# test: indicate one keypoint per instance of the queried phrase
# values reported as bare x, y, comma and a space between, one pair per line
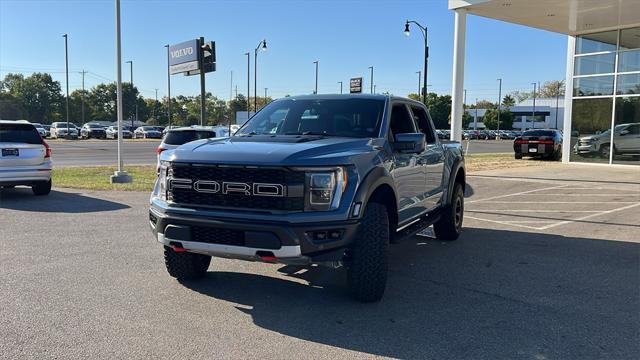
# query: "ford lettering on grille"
228, 187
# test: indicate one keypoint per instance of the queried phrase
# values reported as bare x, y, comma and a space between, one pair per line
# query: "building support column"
457, 84
568, 100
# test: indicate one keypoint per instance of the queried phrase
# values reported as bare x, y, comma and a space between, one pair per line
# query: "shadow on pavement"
491, 294
22, 199
558, 179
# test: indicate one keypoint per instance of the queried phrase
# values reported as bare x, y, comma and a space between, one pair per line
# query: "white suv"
25, 158
60, 130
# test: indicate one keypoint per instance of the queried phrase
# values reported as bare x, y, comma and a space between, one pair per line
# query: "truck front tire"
449, 226
185, 265
368, 256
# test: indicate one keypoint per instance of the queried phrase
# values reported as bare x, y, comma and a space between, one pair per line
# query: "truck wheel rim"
458, 213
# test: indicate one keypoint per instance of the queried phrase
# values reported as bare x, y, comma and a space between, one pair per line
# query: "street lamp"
419, 81
261, 46
168, 87
66, 70
316, 90
534, 106
340, 82
499, 103
407, 32
371, 68
248, 87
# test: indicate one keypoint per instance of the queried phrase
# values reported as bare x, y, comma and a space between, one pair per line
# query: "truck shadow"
491, 294
22, 199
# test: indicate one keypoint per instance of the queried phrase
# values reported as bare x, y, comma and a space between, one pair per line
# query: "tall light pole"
248, 87
534, 106
168, 87
316, 88
83, 72
371, 68
499, 102
557, 96
155, 106
419, 82
130, 62
231, 87
340, 82
265, 96
262, 45
66, 70
426, 52
120, 176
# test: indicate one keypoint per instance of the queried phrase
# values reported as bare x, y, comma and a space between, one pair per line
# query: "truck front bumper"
282, 242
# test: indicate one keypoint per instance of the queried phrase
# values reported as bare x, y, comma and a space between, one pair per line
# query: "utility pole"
419, 82
130, 62
340, 82
534, 106
168, 87
66, 70
316, 89
83, 72
371, 68
499, 102
155, 106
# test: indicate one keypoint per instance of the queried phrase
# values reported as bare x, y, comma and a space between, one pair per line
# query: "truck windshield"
329, 117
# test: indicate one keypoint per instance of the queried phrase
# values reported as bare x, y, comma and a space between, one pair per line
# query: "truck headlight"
162, 180
325, 188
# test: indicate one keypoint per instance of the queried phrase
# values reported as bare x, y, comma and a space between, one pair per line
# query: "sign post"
355, 85
194, 57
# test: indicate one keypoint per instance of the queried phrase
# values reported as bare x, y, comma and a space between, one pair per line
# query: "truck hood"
278, 150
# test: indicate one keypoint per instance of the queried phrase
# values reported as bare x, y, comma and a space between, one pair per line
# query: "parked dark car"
93, 131
539, 143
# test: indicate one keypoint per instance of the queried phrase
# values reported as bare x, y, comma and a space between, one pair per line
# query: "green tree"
551, 89
39, 95
490, 119
10, 107
439, 108
466, 120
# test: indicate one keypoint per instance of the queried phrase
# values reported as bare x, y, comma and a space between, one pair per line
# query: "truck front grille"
212, 235
291, 201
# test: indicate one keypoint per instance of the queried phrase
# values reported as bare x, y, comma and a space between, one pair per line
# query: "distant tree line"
39, 98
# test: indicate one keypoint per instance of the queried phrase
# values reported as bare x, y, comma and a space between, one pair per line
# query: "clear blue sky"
346, 36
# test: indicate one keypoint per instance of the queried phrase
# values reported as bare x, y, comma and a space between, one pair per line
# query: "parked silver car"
60, 130
25, 158
147, 132
112, 133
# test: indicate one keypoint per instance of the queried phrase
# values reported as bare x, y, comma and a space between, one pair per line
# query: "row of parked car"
64, 130
482, 134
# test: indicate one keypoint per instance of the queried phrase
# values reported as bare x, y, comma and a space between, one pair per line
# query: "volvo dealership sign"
183, 57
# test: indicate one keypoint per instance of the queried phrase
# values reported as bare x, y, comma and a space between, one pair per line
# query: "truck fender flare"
455, 168
374, 179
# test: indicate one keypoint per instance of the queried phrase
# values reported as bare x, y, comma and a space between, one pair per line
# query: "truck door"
407, 171
432, 159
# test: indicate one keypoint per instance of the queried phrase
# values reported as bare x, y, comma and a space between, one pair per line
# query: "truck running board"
416, 227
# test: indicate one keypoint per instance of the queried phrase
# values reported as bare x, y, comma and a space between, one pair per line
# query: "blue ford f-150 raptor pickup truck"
319, 179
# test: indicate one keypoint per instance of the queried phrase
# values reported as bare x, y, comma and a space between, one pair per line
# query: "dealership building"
601, 109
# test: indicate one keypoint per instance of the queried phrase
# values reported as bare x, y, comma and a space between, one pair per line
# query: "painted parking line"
546, 203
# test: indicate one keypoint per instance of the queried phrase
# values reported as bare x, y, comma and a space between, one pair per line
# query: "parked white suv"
25, 158
59, 130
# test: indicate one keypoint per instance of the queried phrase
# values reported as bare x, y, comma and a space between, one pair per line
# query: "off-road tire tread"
445, 228
368, 266
185, 265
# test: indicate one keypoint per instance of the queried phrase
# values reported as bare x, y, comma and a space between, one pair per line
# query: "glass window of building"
626, 133
590, 130
605, 124
599, 42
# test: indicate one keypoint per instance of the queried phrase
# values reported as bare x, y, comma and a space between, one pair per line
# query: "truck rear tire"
368, 256
449, 226
41, 188
185, 265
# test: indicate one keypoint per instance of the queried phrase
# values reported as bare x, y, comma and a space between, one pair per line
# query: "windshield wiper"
323, 133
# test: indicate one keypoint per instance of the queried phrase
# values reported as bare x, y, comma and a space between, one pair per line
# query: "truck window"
401, 121
424, 123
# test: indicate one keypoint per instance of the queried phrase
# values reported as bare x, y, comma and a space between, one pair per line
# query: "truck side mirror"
410, 143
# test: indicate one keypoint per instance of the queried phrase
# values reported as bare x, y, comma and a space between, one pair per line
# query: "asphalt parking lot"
547, 267
143, 152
